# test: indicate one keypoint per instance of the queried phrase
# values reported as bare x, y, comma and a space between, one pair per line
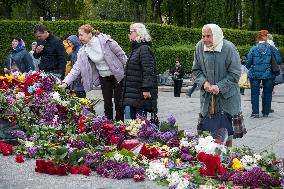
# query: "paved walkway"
263, 134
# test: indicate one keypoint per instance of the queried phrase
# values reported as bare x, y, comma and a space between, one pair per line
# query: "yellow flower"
22, 77
178, 161
10, 78
237, 165
165, 161
85, 101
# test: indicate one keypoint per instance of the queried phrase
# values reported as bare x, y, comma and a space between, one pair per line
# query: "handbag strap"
213, 104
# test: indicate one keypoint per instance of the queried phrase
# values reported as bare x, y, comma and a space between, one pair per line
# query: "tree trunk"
253, 16
5, 11
156, 7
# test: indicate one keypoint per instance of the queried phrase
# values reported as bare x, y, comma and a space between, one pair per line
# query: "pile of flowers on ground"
66, 137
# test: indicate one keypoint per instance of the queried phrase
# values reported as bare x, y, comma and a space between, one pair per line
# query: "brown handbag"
239, 126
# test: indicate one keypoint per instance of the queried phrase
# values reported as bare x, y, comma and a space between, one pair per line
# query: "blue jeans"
134, 111
266, 98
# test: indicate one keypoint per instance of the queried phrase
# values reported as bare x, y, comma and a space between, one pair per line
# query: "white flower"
118, 157
248, 162
209, 146
184, 142
29, 144
182, 184
65, 103
20, 95
134, 126
174, 149
56, 96
156, 170
173, 178
257, 157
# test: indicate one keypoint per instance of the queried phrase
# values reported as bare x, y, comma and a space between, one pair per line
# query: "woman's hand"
146, 95
6, 70
63, 85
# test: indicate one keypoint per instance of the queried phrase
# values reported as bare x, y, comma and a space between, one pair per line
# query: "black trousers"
112, 89
177, 87
81, 94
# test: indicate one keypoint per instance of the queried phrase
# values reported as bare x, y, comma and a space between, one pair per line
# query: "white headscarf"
217, 38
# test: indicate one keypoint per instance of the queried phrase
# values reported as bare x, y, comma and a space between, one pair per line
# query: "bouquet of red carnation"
212, 163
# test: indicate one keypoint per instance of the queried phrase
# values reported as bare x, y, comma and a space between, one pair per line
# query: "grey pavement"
263, 134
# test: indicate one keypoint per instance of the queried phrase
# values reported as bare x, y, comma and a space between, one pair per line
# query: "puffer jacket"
22, 58
259, 61
140, 77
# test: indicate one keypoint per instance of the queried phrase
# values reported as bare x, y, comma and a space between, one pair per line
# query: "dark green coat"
220, 68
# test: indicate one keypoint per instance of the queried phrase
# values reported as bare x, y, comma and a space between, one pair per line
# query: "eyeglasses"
130, 31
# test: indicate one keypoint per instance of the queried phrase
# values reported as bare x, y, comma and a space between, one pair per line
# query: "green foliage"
210, 11
167, 55
169, 42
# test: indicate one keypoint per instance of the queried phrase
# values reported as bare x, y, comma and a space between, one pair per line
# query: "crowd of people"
97, 59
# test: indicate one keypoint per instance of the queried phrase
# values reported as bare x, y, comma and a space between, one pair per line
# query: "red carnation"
14, 123
200, 156
19, 159
138, 177
108, 126
154, 152
49, 164
51, 170
113, 139
221, 170
6, 148
27, 100
86, 171
73, 170
144, 151
61, 170
41, 166
39, 91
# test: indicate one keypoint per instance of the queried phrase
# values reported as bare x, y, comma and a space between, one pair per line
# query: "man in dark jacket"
51, 51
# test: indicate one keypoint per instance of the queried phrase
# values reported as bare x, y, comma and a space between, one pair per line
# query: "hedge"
165, 37
167, 55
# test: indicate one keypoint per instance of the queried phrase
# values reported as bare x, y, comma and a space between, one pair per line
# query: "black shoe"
242, 93
271, 111
254, 115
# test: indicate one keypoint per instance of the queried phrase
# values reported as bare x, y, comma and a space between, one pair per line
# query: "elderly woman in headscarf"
216, 68
18, 60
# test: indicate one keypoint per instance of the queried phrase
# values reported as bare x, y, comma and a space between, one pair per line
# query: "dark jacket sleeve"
181, 73
148, 67
37, 55
61, 57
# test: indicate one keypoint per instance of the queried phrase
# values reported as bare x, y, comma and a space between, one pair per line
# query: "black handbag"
274, 66
215, 121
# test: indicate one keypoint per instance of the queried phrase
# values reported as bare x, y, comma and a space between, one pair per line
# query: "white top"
94, 51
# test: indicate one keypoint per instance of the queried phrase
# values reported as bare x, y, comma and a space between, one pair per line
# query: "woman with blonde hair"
100, 61
260, 70
140, 86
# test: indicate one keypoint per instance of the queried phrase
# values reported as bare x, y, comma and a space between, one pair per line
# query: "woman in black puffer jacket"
140, 90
